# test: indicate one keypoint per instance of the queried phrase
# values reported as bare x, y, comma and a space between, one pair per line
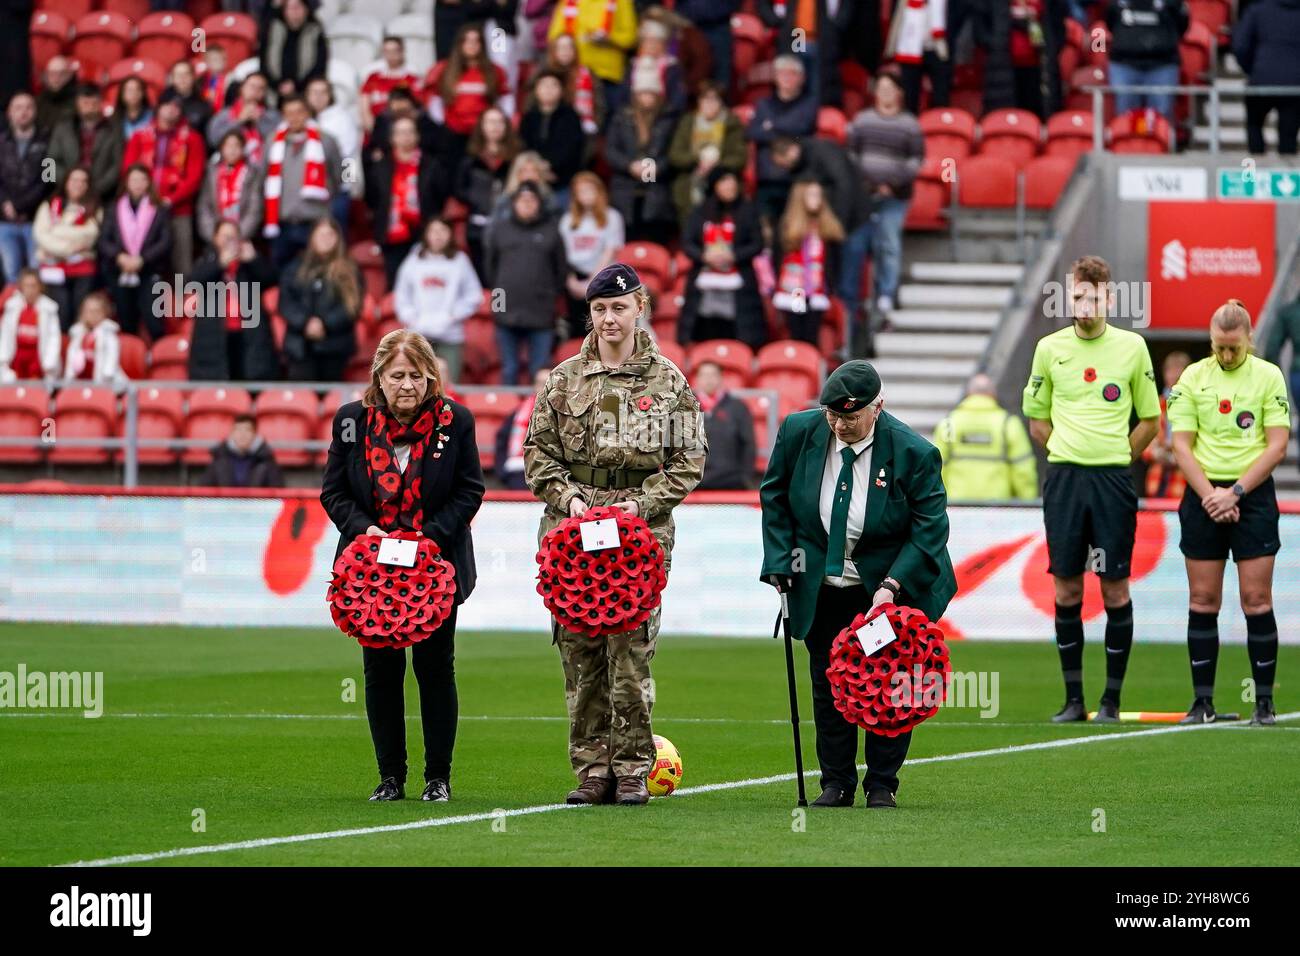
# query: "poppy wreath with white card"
602, 579
385, 604
895, 686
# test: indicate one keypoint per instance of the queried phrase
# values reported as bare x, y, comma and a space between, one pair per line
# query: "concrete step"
1236, 82
931, 345
1232, 112
928, 369
1232, 137
916, 393
965, 272
932, 296
943, 320
923, 420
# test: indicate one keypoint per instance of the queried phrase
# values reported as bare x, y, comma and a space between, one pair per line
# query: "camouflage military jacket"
641, 416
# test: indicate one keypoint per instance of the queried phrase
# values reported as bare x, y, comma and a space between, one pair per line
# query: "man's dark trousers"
837, 739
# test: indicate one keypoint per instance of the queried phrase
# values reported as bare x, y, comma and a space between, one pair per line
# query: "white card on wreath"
398, 551
598, 535
876, 633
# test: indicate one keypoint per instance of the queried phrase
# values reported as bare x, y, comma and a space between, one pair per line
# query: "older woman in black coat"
406, 425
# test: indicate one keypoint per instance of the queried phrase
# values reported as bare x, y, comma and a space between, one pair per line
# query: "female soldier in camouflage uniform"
617, 424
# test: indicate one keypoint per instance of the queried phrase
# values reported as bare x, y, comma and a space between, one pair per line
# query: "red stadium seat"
793, 369
758, 406
855, 86
1215, 14
165, 36
211, 413
1096, 45
949, 133
133, 356
674, 353
1069, 133
1196, 53
931, 193
329, 406
490, 409
150, 71
832, 125
72, 9
566, 350
160, 414
744, 112
735, 358
481, 361
1139, 131
23, 414
1045, 179
1011, 134
986, 182
288, 414
750, 44
83, 411
169, 359
50, 32
1081, 99
652, 262
370, 260
236, 32
102, 38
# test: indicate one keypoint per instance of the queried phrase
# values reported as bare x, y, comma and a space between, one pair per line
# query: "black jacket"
730, 431
829, 163
479, 187
452, 484
526, 261
298, 55
300, 300
156, 251
21, 182
559, 138
622, 148
829, 29
379, 190
1266, 40
751, 326
434, 138
209, 360
1146, 32
263, 472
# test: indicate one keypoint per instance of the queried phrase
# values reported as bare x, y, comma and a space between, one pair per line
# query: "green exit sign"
1275, 185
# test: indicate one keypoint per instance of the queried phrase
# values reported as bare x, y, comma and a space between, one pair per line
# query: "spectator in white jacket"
30, 337
66, 231
437, 290
94, 352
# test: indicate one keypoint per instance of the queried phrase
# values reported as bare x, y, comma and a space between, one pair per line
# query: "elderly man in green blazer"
854, 515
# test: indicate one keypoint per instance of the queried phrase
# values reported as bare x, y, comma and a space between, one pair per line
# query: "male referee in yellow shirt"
1231, 421
1085, 383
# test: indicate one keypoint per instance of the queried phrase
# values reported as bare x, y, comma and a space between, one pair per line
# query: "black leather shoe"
389, 789
834, 797
1107, 713
1264, 715
1201, 712
1073, 710
880, 798
437, 791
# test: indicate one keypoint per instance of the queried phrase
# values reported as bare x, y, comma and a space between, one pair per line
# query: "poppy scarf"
398, 497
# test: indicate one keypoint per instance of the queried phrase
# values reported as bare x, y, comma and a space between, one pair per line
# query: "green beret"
851, 386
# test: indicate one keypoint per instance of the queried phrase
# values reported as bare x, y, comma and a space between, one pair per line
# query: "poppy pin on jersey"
1090, 375
1225, 406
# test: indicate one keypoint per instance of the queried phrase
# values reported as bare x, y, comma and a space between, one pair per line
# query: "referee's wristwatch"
1239, 490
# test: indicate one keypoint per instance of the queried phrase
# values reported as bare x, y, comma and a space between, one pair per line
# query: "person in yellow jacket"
986, 451
605, 31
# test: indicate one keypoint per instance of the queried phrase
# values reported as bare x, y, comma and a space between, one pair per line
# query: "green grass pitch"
188, 726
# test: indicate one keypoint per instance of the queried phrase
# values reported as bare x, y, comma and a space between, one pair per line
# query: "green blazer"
905, 532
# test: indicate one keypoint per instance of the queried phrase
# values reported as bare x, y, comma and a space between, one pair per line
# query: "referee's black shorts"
1090, 514
1255, 535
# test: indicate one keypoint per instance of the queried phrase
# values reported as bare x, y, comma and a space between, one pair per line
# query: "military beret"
615, 279
851, 386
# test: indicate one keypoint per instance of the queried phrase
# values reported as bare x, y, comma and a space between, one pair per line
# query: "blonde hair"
418, 352
797, 223
516, 169
1231, 316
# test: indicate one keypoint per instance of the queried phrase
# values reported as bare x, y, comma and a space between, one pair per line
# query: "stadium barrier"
225, 558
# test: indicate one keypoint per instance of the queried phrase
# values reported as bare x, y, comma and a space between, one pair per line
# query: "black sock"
1119, 641
1203, 651
1069, 644
1261, 642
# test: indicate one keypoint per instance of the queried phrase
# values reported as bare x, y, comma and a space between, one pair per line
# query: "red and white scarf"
230, 189
571, 17
313, 172
252, 134
404, 208
78, 263
584, 97
719, 235
802, 284
518, 432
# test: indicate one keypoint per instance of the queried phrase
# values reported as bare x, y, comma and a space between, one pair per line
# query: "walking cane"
783, 622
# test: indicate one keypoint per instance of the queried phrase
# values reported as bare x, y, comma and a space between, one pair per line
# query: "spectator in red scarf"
250, 115
94, 350
232, 191
176, 157
134, 246
406, 187
729, 428
232, 339
1027, 43
811, 235
66, 231
302, 176
30, 337
215, 83
652, 60
482, 175
461, 87
89, 139
581, 90
509, 457
380, 82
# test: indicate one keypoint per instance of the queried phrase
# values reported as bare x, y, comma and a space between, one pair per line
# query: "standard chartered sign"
1274, 185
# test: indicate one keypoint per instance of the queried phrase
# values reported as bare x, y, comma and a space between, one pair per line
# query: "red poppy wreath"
891, 690
602, 592
386, 605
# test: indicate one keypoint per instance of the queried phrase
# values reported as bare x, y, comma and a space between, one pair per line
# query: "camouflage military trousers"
610, 693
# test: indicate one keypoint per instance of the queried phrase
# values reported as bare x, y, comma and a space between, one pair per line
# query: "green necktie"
840, 514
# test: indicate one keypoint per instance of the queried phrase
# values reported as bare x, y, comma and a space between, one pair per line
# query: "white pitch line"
684, 792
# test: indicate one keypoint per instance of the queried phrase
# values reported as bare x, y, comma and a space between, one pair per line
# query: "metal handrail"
1214, 93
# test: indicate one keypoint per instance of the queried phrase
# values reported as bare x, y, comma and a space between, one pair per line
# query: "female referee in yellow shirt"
1230, 421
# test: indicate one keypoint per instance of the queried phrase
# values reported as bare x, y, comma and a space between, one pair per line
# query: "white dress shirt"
403, 455
857, 502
